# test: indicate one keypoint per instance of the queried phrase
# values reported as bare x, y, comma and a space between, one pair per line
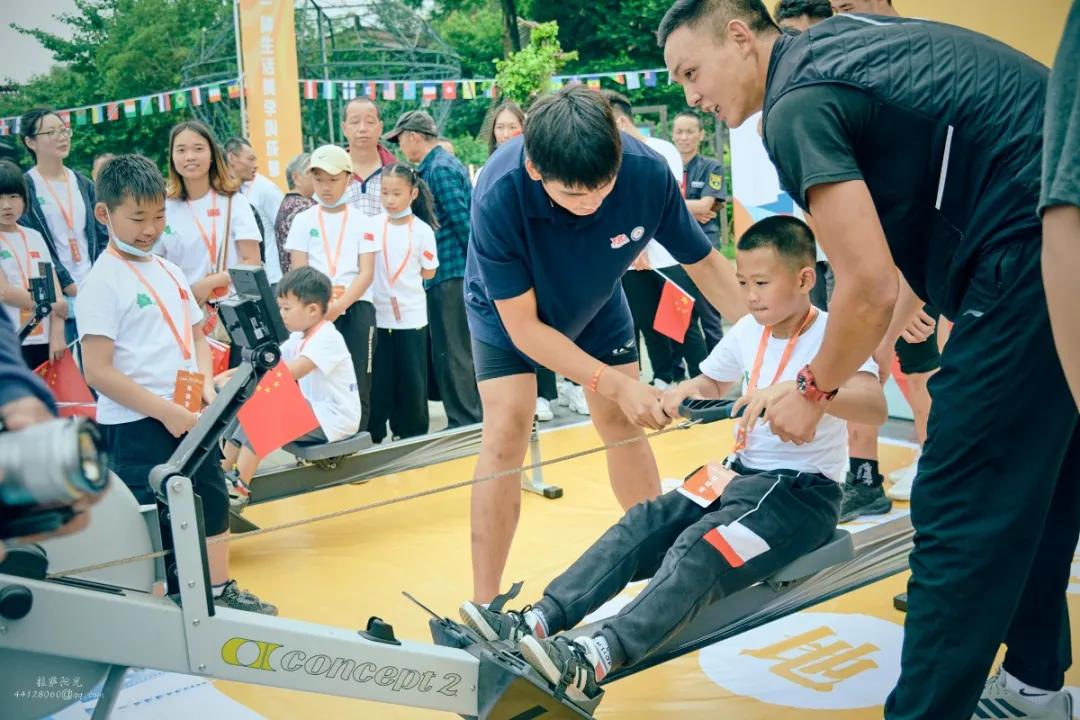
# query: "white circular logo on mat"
637, 233
817, 661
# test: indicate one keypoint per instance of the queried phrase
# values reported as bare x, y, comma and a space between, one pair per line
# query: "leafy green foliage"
526, 74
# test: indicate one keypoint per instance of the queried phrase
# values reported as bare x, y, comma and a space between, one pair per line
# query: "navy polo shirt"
521, 240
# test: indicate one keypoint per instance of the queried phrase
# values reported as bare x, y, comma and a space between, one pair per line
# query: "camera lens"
52, 463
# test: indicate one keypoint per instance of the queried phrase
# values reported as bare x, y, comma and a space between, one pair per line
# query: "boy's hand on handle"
757, 402
177, 420
672, 398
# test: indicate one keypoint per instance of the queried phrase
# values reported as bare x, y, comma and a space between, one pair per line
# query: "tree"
527, 73
119, 49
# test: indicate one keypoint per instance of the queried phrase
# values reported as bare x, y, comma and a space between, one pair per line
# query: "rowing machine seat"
838, 549
325, 451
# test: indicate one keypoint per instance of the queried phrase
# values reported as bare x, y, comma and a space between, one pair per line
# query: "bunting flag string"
426, 90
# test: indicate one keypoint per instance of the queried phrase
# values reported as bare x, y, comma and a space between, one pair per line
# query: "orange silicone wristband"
595, 380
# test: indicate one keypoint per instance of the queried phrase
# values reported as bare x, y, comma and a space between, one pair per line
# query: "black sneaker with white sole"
573, 667
235, 598
492, 623
862, 499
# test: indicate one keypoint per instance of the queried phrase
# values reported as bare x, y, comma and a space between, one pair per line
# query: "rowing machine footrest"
510, 688
838, 549
448, 633
324, 451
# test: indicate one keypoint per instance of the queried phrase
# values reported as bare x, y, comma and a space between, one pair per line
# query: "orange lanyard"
69, 212
740, 438
209, 239
310, 335
26, 249
332, 262
185, 342
392, 277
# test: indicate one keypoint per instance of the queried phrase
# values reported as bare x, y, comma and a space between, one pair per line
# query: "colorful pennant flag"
389, 90
180, 100
673, 312
96, 114
430, 93
309, 90
130, 109
593, 83
277, 413
65, 117
213, 94
348, 90
650, 78
328, 90
449, 90
234, 91
146, 105
633, 82
371, 90
4, 127
556, 84
409, 90
112, 111
620, 78
164, 102
80, 117
468, 89
196, 97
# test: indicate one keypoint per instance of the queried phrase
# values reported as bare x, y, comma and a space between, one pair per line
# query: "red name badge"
706, 484
213, 212
76, 254
189, 390
396, 308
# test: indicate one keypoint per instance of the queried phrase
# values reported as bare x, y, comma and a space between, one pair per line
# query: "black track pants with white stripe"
694, 555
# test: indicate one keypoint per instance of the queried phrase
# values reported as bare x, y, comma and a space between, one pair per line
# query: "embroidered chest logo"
5, 255
168, 230
143, 300
637, 233
314, 232
816, 659
619, 241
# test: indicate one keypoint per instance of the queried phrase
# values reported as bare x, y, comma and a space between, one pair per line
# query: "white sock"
536, 620
1030, 693
601, 645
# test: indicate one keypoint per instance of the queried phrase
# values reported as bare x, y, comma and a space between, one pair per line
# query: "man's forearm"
907, 308
859, 315
1061, 267
715, 277
553, 350
700, 205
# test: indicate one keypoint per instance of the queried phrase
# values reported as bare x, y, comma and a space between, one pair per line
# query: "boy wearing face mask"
333, 238
145, 354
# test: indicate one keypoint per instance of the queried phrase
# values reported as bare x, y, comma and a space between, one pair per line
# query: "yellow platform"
837, 660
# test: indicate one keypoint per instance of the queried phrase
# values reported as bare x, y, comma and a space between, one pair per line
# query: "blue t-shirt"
521, 240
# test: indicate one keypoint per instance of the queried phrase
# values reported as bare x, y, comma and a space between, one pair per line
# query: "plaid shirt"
450, 184
366, 194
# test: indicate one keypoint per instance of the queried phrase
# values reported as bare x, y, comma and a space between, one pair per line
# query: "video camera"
43, 291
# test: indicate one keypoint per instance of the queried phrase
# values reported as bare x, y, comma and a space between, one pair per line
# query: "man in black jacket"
918, 145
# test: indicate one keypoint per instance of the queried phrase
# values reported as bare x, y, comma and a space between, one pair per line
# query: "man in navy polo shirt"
558, 216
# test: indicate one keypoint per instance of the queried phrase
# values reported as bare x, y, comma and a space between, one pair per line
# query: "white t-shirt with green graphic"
13, 257
113, 303
305, 235
182, 244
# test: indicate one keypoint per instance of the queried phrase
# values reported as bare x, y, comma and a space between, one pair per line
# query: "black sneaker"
574, 667
492, 623
862, 499
236, 599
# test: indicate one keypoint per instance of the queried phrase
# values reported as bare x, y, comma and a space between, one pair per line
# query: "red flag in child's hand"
219, 353
277, 413
66, 382
674, 312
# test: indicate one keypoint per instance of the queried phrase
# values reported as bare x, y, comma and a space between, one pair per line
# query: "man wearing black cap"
415, 131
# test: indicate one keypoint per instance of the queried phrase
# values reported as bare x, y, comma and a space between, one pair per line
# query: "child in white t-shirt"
145, 354
317, 357
210, 226
21, 250
407, 257
333, 238
729, 526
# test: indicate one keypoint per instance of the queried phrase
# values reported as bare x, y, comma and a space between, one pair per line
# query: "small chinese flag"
277, 413
68, 387
674, 312
449, 90
219, 354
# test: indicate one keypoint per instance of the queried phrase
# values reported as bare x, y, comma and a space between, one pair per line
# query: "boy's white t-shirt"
733, 359
115, 304
658, 255
407, 251
265, 198
18, 259
331, 387
182, 244
58, 226
305, 235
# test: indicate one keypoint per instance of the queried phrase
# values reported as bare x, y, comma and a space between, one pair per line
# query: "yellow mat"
836, 660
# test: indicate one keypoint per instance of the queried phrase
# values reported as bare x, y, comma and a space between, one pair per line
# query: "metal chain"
380, 503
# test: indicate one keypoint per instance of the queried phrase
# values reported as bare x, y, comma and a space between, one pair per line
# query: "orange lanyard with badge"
392, 277
24, 315
310, 335
741, 436
189, 385
68, 214
332, 260
210, 239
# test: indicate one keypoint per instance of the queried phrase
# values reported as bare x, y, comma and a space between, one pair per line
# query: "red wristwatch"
808, 388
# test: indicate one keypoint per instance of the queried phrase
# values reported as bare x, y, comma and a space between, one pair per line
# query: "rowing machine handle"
707, 411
